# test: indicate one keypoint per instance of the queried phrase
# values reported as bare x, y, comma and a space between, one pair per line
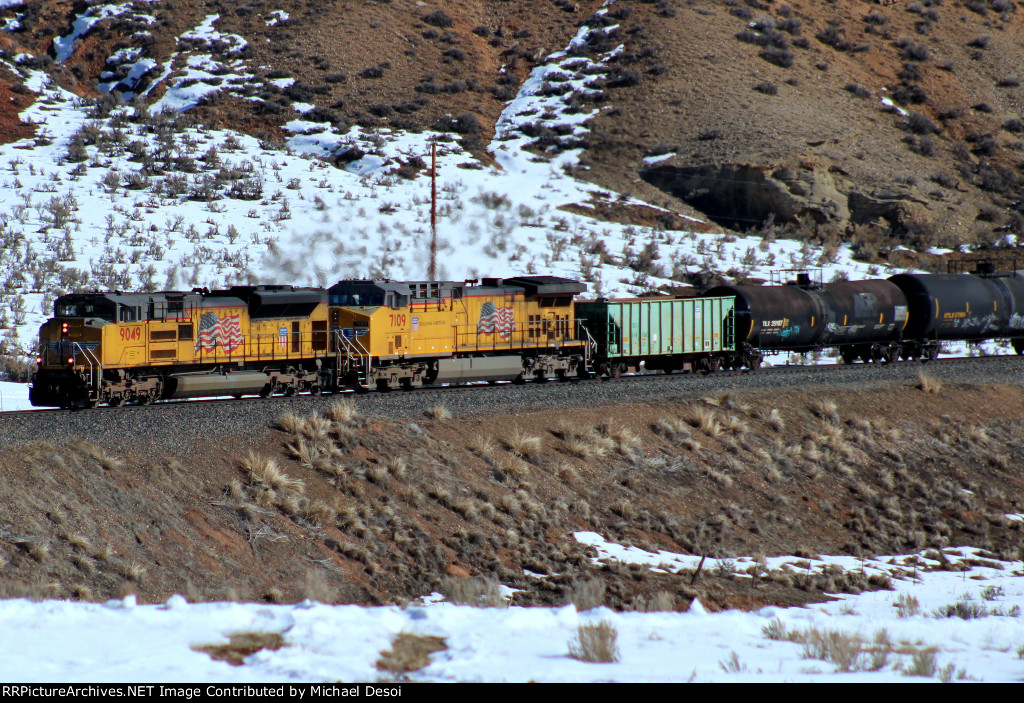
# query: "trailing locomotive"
390, 334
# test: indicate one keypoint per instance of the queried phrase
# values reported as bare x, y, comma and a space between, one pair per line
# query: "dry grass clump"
825, 410
595, 642
291, 423
847, 652
727, 400
660, 602
478, 592
438, 412
773, 418
524, 445
734, 424
922, 664
409, 653
37, 550
705, 419
512, 464
672, 428
264, 471
928, 384
104, 459
396, 466
624, 440
316, 588
343, 410
241, 645
587, 595
720, 477
79, 542
907, 605
377, 474
591, 445
567, 473
307, 453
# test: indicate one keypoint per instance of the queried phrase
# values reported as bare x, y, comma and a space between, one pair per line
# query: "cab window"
129, 313
85, 308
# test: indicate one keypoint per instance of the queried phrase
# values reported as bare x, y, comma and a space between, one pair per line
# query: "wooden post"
432, 267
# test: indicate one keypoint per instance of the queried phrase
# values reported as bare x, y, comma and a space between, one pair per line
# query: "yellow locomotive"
391, 334
139, 347
119, 348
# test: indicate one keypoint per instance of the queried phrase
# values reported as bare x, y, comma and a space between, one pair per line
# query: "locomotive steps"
307, 498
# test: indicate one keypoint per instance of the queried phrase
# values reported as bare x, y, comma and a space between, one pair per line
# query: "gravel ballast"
177, 426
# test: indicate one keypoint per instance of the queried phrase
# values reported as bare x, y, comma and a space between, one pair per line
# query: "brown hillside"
367, 510
773, 110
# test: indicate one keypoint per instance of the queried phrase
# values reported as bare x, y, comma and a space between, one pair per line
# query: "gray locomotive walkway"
182, 426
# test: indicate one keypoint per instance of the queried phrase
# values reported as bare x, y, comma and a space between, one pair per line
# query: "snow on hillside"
119, 199
14, 396
947, 625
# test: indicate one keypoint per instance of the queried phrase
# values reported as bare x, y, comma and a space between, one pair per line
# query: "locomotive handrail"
95, 373
351, 347
591, 345
558, 331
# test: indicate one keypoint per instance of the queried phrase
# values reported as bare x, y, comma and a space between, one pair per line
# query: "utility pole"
432, 267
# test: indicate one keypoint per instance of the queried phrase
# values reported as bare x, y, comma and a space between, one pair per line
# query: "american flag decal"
214, 331
493, 319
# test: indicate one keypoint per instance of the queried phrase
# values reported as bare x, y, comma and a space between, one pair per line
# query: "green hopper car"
661, 334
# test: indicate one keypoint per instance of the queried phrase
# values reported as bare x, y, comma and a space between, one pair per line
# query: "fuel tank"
204, 385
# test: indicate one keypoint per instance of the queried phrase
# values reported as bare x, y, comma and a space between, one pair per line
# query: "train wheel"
519, 380
849, 355
616, 370
714, 364
115, 401
1018, 346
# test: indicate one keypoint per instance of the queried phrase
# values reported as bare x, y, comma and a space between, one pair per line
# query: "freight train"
117, 348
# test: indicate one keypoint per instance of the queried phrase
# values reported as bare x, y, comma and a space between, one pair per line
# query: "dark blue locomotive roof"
366, 292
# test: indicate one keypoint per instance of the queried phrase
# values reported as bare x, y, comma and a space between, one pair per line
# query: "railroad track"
444, 391
176, 428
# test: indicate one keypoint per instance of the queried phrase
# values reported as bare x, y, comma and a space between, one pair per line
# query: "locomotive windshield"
85, 306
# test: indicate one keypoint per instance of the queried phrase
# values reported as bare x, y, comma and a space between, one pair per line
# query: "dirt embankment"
343, 508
